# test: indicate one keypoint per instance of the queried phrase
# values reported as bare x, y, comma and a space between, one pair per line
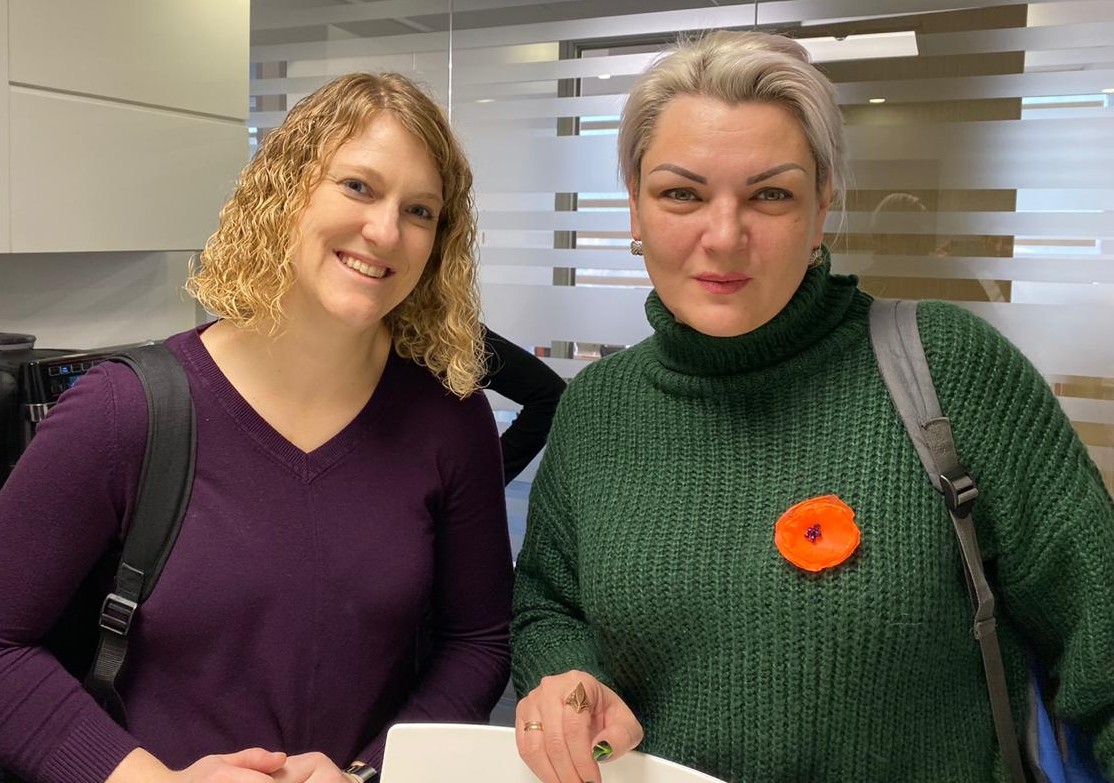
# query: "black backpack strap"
900, 355
164, 492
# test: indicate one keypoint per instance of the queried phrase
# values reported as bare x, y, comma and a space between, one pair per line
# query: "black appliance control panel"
44, 379
31, 381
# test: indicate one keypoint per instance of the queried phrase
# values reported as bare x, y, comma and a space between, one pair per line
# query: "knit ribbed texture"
91, 752
649, 557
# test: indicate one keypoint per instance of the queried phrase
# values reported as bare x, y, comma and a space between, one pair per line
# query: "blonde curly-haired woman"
347, 517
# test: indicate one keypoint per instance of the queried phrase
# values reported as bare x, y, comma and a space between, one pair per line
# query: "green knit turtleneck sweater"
650, 561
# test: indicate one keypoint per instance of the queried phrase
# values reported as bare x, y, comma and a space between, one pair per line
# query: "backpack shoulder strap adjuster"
959, 491
117, 613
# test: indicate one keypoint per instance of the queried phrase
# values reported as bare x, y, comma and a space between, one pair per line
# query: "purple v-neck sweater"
288, 612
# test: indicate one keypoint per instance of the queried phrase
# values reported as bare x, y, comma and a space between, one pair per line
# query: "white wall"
121, 134
93, 300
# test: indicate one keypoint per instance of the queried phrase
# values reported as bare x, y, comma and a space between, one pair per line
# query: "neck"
306, 363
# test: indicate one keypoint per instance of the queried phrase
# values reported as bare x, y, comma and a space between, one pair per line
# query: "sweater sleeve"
60, 512
549, 632
468, 662
1044, 515
527, 380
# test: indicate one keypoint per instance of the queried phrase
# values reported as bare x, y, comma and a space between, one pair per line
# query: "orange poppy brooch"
817, 533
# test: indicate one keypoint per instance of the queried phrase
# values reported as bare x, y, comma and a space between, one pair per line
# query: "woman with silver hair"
733, 557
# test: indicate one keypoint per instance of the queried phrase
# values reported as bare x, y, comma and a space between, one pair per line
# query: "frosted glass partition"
981, 158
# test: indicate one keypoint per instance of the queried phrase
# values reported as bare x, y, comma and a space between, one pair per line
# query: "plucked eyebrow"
750, 180
682, 171
774, 172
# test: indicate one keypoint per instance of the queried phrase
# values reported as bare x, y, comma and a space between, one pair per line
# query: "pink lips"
722, 284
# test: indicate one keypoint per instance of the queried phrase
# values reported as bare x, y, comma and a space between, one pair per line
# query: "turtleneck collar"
819, 306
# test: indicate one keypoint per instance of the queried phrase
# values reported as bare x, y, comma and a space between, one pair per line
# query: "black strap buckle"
117, 613
959, 491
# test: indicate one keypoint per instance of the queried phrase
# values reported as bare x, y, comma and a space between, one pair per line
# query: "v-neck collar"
306, 465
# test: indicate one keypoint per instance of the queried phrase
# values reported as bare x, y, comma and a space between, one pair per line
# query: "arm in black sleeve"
522, 377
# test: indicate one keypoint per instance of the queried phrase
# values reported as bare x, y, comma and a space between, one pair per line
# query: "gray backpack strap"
897, 347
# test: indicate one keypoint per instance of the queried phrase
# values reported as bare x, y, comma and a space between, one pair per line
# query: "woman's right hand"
252, 765
561, 742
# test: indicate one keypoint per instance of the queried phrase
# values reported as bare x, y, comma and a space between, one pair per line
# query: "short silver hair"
737, 67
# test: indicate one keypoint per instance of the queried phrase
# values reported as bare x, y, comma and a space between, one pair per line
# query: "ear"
823, 205
632, 202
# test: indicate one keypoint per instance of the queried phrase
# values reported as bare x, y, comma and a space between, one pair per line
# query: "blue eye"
423, 212
355, 186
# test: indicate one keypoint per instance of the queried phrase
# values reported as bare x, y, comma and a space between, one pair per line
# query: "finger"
289, 775
295, 770
584, 709
553, 716
622, 734
530, 741
578, 734
257, 759
233, 774
241, 775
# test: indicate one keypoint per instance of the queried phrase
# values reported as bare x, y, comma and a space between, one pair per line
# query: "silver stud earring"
635, 247
817, 256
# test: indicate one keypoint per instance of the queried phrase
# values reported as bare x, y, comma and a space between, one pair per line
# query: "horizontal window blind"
981, 159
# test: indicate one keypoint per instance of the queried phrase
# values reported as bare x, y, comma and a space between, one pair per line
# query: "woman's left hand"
569, 723
310, 768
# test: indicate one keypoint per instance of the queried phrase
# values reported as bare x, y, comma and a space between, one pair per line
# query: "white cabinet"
123, 121
188, 55
88, 174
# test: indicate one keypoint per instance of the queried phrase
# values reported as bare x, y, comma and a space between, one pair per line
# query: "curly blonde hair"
247, 265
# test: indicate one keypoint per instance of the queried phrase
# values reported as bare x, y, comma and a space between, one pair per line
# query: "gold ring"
578, 699
532, 725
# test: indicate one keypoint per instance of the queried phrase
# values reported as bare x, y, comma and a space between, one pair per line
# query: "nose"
725, 230
381, 224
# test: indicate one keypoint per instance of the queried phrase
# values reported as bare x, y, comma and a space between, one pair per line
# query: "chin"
713, 326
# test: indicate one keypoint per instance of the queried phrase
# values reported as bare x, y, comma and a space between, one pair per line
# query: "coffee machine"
31, 381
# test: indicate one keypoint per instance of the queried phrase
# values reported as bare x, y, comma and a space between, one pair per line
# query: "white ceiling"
295, 21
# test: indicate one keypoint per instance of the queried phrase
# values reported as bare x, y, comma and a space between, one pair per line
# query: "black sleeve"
522, 377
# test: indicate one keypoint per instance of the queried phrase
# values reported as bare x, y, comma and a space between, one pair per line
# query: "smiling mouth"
365, 269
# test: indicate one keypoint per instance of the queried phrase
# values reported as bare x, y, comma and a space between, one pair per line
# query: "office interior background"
980, 141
